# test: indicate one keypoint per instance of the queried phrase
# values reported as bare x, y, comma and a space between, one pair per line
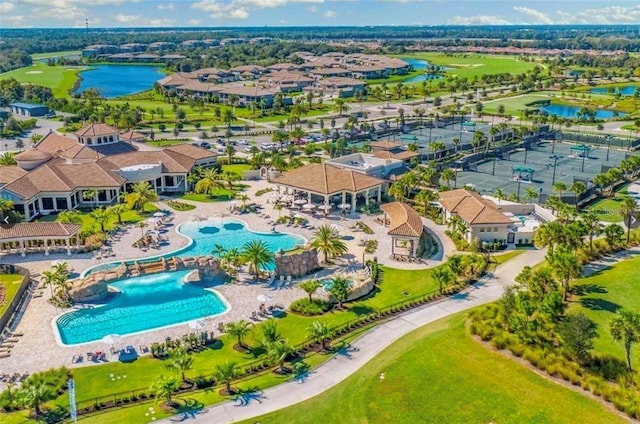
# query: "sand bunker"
467, 65
33, 72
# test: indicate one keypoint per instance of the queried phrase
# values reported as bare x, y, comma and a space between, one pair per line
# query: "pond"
119, 80
625, 91
567, 111
421, 65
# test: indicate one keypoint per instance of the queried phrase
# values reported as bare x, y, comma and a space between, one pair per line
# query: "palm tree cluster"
328, 242
57, 279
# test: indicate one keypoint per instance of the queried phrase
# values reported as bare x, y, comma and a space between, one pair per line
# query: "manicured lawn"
59, 78
219, 195
66, 53
469, 65
10, 284
129, 217
608, 209
601, 295
438, 374
236, 168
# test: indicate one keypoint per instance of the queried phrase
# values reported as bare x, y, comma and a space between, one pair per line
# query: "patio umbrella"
300, 202
158, 215
335, 227
308, 206
344, 206
264, 298
57, 262
197, 218
298, 216
198, 324
111, 339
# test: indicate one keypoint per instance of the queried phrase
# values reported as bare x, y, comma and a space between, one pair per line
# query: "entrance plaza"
540, 168
36, 317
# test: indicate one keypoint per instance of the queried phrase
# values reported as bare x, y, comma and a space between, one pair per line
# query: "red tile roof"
404, 220
34, 230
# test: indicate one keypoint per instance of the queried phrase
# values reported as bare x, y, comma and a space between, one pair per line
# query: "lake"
418, 65
625, 91
119, 80
566, 111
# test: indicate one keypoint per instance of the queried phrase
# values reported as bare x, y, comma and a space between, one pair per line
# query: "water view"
566, 111
119, 80
420, 65
625, 91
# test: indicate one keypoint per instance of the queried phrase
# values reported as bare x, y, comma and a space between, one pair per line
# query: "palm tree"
310, 287
243, 198
210, 181
181, 361
50, 278
320, 332
226, 372
443, 276
278, 352
218, 250
141, 193
628, 209
164, 387
257, 254
6, 206
565, 267
625, 328
101, 215
270, 331
8, 159
327, 241
578, 188
340, 289
560, 188
231, 259
118, 210
592, 226
228, 117
69, 217
239, 330
500, 195
448, 175
142, 225
530, 194
35, 393
90, 194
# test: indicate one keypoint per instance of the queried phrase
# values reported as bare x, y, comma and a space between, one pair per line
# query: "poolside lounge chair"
221, 327
254, 316
281, 283
288, 281
77, 359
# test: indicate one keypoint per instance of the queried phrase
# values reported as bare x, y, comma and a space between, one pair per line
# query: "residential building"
30, 110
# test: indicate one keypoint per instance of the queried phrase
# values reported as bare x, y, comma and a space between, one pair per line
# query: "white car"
243, 142
266, 146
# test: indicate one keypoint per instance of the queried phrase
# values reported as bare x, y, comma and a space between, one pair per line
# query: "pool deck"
38, 349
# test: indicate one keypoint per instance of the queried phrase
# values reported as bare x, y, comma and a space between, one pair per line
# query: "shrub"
263, 191
315, 307
180, 206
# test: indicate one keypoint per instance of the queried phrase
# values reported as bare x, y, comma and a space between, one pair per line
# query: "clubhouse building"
61, 173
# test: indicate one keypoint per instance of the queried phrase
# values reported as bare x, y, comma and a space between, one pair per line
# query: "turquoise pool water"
145, 303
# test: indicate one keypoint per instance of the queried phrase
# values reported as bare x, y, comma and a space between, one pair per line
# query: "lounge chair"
221, 327
289, 281
281, 283
77, 359
254, 316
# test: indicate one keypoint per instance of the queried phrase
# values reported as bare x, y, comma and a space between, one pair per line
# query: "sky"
216, 13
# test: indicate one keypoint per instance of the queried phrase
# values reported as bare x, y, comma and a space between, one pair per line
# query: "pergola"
519, 169
326, 181
405, 226
38, 236
581, 150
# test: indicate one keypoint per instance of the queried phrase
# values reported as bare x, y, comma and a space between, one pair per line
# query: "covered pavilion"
581, 150
405, 226
38, 236
518, 171
326, 181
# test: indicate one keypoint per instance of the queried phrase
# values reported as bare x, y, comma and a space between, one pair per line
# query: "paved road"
369, 345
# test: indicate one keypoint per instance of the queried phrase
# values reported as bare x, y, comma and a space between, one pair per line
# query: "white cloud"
5, 7
194, 22
165, 22
240, 9
478, 20
538, 16
166, 6
329, 14
126, 19
313, 9
611, 15
14, 20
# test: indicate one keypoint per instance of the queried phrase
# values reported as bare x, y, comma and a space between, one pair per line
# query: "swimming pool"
144, 303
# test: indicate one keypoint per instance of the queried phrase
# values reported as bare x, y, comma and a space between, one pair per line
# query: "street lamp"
608, 146
495, 155
555, 162
584, 155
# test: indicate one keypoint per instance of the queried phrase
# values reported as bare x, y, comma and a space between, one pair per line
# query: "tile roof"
190, 151
326, 179
385, 145
400, 154
169, 164
33, 155
32, 230
96, 130
472, 207
132, 136
53, 142
11, 173
404, 220
81, 152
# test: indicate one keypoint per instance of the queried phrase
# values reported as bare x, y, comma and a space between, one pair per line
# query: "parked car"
242, 142
205, 145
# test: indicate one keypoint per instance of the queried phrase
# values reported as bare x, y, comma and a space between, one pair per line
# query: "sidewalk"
334, 371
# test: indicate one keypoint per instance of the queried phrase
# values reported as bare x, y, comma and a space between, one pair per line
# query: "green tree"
181, 361
613, 235
34, 394
118, 210
141, 193
278, 352
101, 216
628, 209
164, 387
8, 159
448, 175
530, 194
257, 254
310, 287
577, 332
328, 242
578, 188
239, 330
591, 223
566, 267
320, 333
625, 328
225, 373
340, 289
559, 188
443, 276
270, 331
210, 181
6, 206
90, 194
500, 195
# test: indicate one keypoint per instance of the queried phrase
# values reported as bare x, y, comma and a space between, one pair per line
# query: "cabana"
38, 236
580, 151
518, 171
405, 227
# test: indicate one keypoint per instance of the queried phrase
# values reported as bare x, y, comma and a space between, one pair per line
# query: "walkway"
369, 345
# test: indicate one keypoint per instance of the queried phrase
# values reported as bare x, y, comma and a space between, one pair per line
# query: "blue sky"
150, 13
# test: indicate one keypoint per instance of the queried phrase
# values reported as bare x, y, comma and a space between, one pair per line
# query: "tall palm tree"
257, 254
565, 267
448, 175
50, 278
500, 195
443, 276
141, 193
531, 194
181, 361
320, 332
69, 217
6, 206
578, 188
560, 188
118, 210
210, 181
270, 332
628, 209
164, 387
239, 330
310, 287
592, 226
225, 373
101, 215
327, 241
35, 393
625, 328
340, 289
278, 352
142, 225
90, 194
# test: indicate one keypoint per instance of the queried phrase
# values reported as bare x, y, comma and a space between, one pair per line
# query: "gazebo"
38, 236
581, 150
326, 181
518, 170
405, 227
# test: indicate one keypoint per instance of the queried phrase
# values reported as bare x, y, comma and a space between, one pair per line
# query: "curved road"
332, 372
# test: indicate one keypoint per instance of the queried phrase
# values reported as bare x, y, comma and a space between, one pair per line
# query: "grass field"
10, 284
438, 374
601, 295
236, 168
66, 53
59, 78
608, 209
88, 222
470, 65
